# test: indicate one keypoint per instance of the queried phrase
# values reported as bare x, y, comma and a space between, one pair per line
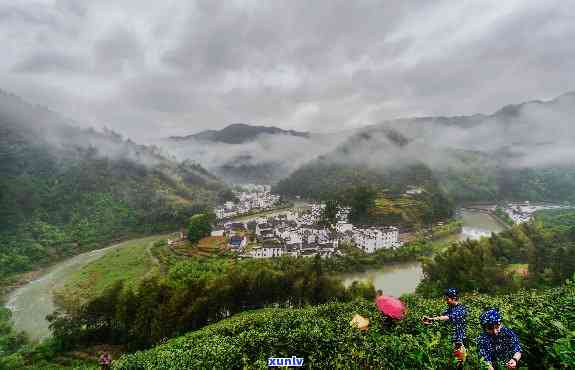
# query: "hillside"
64, 189
520, 152
339, 175
243, 153
322, 336
238, 133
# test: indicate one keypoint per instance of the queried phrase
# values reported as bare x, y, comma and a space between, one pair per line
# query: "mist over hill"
467, 152
523, 151
238, 133
242, 153
64, 189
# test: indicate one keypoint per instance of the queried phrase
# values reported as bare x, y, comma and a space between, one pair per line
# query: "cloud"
160, 68
49, 61
535, 134
280, 154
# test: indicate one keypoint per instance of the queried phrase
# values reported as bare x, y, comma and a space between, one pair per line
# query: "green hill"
238, 133
468, 176
544, 321
340, 175
521, 152
64, 190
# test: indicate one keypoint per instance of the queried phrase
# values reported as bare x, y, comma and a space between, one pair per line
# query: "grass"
165, 255
130, 262
518, 268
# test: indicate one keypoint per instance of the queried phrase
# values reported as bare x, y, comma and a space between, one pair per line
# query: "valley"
86, 276
316, 184
337, 223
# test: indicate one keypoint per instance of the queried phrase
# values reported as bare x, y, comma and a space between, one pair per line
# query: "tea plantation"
322, 335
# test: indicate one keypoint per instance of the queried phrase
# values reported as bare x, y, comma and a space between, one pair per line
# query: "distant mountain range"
522, 151
241, 153
534, 134
238, 133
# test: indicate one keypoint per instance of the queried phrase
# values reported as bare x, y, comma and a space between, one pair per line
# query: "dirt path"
154, 259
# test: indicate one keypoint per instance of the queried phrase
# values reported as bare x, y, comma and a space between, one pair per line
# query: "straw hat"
360, 322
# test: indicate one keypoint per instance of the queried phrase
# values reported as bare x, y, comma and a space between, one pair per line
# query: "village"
523, 212
298, 233
250, 198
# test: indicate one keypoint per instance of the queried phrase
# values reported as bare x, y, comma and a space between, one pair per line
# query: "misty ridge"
530, 135
269, 157
535, 134
65, 139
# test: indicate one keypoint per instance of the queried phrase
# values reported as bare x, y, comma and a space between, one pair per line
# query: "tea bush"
322, 335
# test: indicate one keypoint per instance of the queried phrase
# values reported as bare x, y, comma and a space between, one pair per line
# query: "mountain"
64, 190
252, 154
238, 133
522, 151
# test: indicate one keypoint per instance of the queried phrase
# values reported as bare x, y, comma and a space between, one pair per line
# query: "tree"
362, 200
226, 195
329, 213
199, 227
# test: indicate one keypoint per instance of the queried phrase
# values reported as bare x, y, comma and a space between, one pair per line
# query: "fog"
42, 126
534, 134
280, 153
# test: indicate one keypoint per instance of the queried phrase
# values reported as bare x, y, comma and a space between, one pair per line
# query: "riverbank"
35, 298
10, 283
396, 278
129, 262
31, 303
397, 271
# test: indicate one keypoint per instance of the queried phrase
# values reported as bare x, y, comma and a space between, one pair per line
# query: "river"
399, 278
32, 302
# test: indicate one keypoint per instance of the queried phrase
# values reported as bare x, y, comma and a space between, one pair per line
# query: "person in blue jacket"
456, 314
497, 344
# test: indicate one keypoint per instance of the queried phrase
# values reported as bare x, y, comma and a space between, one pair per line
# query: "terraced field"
207, 247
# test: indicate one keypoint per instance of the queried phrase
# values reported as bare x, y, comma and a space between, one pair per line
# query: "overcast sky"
159, 68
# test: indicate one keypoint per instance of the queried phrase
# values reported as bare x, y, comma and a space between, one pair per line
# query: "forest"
58, 201
544, 251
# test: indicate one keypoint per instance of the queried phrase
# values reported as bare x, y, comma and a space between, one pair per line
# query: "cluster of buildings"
371, 239
299, 234
523, 212
517, 214
259, 198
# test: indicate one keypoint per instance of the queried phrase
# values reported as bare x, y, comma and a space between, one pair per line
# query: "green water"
400, 278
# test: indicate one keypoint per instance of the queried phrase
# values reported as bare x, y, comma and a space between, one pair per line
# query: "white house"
372, 239
217, 233
342, 227
268, 251
261, 227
